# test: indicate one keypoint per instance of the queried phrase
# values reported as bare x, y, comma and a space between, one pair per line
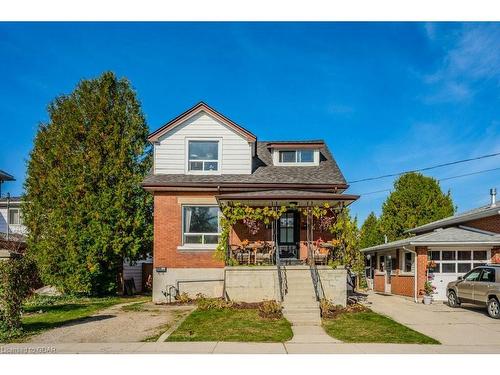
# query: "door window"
488, 275
473, 275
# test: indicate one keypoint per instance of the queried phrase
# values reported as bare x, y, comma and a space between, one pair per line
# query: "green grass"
231, 325
44, 313
370, 327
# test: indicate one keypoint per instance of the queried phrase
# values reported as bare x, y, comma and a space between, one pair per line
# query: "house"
440, 251
204, 161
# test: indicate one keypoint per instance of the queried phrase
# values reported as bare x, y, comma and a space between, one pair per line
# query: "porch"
281, 227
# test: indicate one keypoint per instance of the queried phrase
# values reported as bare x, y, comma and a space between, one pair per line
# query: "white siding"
170, 151
18, 229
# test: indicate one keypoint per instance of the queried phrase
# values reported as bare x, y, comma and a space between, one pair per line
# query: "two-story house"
439, 251
202, 161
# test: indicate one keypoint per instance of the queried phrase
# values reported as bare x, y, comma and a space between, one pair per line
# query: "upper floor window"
296, 156
15, 216
203, 156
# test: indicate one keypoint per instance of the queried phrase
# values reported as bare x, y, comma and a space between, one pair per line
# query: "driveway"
468, 325
117, 324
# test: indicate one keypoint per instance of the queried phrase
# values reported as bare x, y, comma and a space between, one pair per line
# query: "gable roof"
201, 106
443, 237
327, 173
477, 213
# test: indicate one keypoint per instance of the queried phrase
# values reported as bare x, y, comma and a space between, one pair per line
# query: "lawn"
368, 326
43, 313
231, 324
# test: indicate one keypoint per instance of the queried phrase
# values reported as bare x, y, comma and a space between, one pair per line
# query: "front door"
288, 235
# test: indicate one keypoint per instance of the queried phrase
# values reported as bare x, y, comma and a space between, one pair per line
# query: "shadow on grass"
35, 327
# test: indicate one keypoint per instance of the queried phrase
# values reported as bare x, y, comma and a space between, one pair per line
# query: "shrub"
182, 298
205, 303
330, 311
17, 275
270, 309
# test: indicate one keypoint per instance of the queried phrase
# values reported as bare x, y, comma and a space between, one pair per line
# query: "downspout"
415, 298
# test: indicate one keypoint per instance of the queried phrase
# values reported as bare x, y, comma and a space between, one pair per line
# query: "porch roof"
279, 196
454, 236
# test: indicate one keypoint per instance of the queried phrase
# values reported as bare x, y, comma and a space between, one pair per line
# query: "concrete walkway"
244, 348
469, 325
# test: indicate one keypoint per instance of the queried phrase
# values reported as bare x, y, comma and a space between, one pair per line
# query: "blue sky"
386, 97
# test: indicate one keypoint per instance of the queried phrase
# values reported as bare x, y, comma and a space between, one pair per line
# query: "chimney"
493, 194
385, 238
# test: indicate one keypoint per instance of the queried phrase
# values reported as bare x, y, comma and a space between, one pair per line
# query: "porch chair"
320, 255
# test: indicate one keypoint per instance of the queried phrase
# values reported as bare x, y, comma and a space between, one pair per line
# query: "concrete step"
308, 322
306, 301
301, 309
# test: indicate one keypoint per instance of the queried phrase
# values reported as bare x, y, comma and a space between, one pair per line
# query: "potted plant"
428, 291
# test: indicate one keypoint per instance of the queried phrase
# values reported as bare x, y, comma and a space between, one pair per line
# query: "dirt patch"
121, 323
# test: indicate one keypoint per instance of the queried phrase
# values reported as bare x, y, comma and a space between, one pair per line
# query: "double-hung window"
408, 262
203, 156
200, 225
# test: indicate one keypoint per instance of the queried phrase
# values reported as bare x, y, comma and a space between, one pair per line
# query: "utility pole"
8, 216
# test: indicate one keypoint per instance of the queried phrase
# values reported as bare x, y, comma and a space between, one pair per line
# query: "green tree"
346, 233
416, 200
86, 210
370, 232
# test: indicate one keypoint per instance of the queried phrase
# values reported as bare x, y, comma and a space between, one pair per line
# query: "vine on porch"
254, 217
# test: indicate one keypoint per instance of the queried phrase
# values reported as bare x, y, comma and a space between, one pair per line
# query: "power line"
425, 169
441, 179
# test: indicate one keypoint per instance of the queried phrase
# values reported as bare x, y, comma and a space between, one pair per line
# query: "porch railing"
282, 280
318, 286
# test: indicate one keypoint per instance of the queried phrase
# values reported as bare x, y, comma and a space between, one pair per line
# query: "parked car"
480, 286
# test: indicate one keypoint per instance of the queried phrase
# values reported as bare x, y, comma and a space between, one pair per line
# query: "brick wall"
402, 285
421, 268
168, 235
491, 224
379, 283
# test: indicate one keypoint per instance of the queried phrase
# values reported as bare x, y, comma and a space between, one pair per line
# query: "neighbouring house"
439, 251
11, 218
204, 161
4, 176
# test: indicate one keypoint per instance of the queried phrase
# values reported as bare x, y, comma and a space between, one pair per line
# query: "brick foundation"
402, 285
379, 283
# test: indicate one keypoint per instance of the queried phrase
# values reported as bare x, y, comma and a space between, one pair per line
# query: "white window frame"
219, 152
402, 263
202, 246
456, 261
19, 215
276, 157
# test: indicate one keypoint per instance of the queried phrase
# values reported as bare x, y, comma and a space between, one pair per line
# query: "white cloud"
471, 57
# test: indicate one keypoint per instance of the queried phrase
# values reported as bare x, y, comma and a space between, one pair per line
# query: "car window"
488, 275
473, 275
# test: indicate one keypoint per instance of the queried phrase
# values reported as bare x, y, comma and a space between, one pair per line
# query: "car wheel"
494, 308
453, 299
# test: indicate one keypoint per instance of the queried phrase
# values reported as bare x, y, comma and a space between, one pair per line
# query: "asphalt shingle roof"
264, 171
460, 218
451, 235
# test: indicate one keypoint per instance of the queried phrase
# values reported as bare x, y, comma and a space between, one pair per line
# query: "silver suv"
480, 286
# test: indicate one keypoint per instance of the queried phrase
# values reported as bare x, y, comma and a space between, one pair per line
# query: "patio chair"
320, 255
238, 253
264, 255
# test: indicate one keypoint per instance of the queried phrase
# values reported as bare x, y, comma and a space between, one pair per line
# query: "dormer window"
203, 156
298, 157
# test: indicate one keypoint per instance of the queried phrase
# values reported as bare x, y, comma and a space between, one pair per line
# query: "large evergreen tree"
416, 200
370, 232
86, 210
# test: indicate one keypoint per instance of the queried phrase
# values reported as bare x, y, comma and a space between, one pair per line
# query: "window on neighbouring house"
203, 156
408, 261
15, 216
296, 156
201, 225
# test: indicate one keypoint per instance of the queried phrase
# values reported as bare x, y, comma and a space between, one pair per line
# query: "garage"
446, 265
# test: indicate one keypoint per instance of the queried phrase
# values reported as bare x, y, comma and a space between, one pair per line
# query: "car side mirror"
459, 278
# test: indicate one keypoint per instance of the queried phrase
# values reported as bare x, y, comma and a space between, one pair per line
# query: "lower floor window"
460, 261
200, 225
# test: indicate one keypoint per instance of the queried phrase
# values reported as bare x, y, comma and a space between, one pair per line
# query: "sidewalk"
244, 348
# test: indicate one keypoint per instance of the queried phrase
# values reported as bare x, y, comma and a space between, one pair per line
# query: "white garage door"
449, 264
